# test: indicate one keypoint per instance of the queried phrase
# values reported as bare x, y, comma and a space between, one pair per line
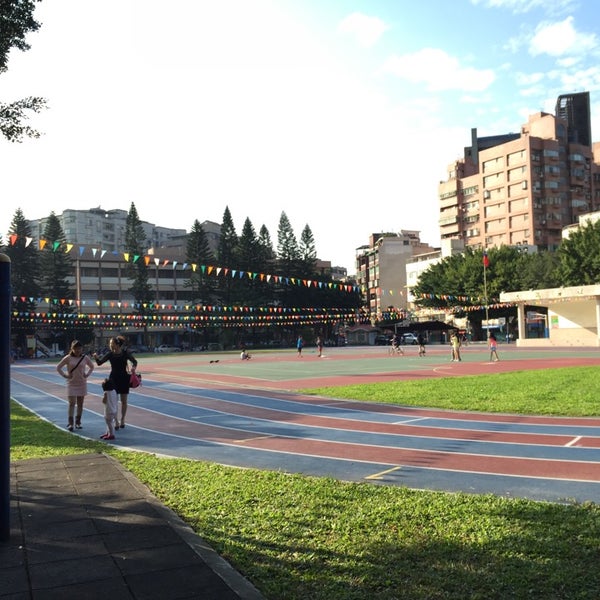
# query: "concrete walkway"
83, 527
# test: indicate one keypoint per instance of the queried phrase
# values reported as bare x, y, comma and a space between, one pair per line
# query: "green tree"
57, 267
288, 252
137, 271
248, 248
25, 264
579, 256
265, 261
308, 253
201, 285
460, 282
16, 21
540, 270
265, 248
198, 252
250, 263
226, 257
24, 275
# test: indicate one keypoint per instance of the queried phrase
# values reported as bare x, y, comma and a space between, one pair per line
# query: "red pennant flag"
486, 260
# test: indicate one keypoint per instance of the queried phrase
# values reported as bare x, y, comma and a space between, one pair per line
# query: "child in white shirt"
111, 402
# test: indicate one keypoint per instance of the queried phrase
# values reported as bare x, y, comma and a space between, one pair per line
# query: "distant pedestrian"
299, 345
421, 342
455, 342
493, 344
75, 367
395, 347
244, 354
319, 346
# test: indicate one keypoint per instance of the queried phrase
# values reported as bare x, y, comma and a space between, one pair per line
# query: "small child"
244, 355
110, 401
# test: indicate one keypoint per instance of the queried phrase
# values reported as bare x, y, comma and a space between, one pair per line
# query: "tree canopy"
579, 256
16, 21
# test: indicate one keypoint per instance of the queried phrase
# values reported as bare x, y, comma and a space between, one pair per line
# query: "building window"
550, 153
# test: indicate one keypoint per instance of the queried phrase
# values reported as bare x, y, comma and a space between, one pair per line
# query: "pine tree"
25, 264
247, 249
250, 264
198, 252
228, 241
135, 238
265, 261
288, 252
288, 263
57, 266
308, 253
24, 274
266, 253
226, 257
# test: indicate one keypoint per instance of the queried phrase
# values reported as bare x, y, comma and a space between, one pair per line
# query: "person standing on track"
299, 346
421, 342
119, 375
79, 367
493, 344
319, 346
455, 342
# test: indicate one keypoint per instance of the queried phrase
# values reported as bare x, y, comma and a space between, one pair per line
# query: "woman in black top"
119, 375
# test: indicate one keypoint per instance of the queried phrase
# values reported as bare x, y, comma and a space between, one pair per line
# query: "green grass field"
299, 538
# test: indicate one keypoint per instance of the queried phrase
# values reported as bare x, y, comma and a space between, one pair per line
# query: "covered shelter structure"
571, 315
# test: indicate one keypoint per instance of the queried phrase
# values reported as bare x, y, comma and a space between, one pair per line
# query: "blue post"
4, 398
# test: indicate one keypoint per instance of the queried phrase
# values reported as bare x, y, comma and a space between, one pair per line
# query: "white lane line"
382, 473
573, 441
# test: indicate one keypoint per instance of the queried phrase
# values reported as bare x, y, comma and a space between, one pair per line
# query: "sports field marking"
573, 441
382, 473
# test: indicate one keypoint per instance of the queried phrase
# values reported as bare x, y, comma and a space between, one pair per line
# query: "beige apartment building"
523, 189
381, 269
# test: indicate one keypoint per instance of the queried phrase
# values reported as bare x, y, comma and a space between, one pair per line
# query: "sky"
342, 114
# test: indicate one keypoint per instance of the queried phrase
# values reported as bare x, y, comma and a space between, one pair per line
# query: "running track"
247, 414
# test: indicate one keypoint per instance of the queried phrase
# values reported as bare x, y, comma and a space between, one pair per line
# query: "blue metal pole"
4, 397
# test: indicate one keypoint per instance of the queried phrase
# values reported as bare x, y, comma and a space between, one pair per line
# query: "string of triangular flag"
209, 270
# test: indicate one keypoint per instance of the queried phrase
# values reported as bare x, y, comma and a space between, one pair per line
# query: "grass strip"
568, 391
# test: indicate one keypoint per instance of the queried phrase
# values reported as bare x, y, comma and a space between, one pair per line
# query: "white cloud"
561, 38
367, 30
524, 6
584, 79
439, 71
568, 61
528, 78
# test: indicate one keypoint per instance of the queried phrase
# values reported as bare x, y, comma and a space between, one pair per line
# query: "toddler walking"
110, 401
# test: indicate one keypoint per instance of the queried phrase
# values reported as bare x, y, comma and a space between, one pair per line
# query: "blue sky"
343, 114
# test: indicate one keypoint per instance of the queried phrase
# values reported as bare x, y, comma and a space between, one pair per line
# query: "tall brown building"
522, 189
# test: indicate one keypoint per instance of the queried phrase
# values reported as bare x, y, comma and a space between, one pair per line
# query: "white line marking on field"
573, 441
382, 473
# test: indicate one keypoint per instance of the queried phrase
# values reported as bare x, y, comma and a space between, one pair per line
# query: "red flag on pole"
486, 260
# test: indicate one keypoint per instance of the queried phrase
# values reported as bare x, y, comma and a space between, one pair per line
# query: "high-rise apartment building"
381, 269
575, 110
522, 189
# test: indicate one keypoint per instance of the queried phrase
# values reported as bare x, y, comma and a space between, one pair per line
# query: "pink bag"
135, 380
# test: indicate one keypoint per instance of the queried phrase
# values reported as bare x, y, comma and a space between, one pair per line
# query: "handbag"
135, 380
